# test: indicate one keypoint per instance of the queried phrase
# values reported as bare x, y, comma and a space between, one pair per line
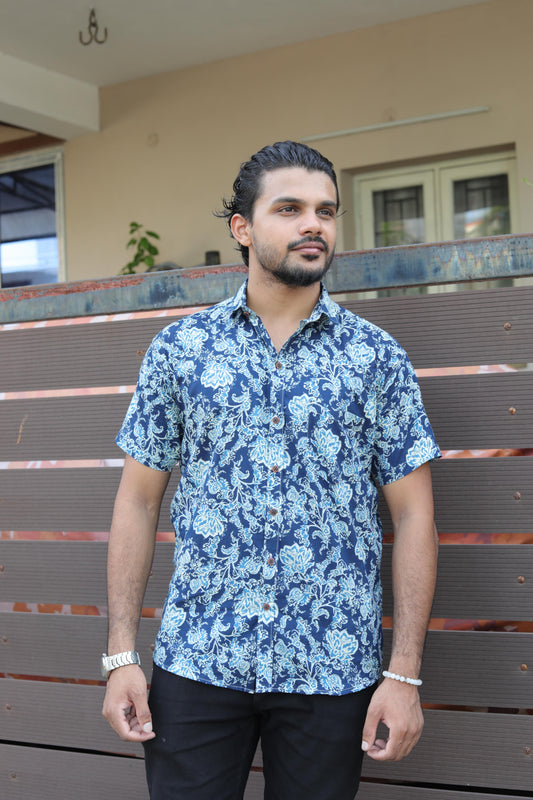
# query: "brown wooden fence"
65, 383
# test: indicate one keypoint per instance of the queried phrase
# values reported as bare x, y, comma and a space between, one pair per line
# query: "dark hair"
247, 185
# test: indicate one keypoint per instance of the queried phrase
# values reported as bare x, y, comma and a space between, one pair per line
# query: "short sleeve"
152, 429
404, 439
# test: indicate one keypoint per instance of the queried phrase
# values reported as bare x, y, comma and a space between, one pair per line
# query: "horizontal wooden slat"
466, 411
478, 582
37, 773
460, 667
92, 354
480, 495
474, 581
66, 499
471, 495
70, 572
466, 749
62, 646
62, 714
457, 328
384, 791
476, 668
57, 428
388, 791
452, 329
481, 411
489, 495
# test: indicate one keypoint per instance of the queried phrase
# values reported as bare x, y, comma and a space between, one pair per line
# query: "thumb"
370, 729
142, 711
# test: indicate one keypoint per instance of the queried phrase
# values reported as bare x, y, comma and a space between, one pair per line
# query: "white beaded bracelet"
402, 678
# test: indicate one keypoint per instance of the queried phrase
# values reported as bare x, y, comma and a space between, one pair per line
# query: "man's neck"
281, 308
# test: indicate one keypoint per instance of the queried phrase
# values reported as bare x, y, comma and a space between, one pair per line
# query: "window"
444, 201
399, 216
454, 199
31, 220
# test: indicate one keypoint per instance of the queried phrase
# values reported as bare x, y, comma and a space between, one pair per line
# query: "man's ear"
240, 228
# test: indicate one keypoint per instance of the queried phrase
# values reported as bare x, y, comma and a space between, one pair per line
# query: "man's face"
293, 230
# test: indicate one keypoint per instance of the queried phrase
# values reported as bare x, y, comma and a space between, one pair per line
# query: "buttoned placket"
276, 365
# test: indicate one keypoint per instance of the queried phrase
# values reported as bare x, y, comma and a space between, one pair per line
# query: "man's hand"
397, 705
126, 704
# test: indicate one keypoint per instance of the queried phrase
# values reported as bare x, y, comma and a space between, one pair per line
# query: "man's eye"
327, 212
287, 209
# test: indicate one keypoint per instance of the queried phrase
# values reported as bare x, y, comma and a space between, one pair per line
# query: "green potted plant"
145, 250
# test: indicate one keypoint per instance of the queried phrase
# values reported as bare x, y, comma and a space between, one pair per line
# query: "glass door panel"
481, 207
399, 216
395, 209
478, 199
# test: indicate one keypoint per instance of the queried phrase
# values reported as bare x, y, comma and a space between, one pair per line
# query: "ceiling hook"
93, 31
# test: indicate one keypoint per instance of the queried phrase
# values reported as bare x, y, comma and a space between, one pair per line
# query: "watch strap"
109, 663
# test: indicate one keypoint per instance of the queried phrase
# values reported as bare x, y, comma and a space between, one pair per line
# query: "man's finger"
370, 729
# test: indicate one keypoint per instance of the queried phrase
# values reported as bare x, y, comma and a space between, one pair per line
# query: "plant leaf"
153, 234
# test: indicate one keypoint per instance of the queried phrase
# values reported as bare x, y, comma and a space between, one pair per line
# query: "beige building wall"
170, 145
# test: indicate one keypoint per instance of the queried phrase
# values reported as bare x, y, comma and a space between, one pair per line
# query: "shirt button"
275, 468
275, 420
278, 365
271, 561
266, 606
273, 511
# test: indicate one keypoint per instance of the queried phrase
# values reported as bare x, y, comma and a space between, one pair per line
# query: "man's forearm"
130, 554
414, 567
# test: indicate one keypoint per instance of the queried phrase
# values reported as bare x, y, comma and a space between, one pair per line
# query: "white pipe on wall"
396, 123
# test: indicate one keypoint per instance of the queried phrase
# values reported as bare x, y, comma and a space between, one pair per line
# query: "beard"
288, 270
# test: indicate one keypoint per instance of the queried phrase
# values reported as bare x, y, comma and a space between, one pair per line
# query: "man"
284, 412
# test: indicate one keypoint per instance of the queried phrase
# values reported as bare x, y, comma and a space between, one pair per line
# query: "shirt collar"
325, 307
238, 301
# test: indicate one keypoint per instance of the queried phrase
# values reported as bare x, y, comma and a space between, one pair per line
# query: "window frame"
486, 168
437, 177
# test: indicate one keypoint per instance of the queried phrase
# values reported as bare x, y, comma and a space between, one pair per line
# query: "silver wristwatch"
110, 663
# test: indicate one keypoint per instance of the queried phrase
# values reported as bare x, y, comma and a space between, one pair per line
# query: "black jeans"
206, 737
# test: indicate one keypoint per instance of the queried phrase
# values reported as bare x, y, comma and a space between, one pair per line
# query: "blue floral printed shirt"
276, 585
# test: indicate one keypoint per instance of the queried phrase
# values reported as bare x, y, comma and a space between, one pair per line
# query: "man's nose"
310, 223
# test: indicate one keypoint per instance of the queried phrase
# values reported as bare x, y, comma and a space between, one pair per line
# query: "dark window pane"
481, 207
399, 216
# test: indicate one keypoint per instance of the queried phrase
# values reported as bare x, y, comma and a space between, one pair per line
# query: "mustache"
308, 240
